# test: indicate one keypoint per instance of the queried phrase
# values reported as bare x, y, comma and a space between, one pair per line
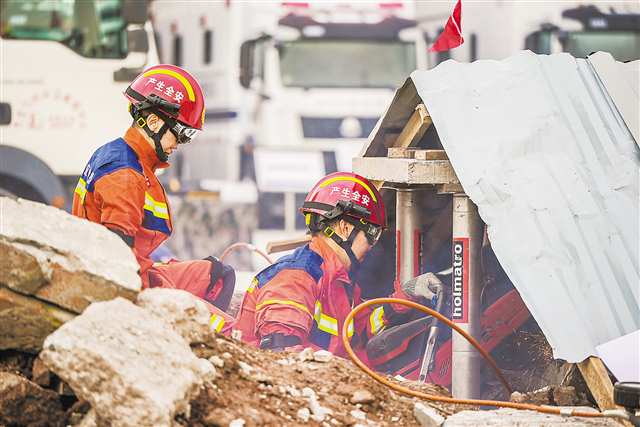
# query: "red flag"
451, 37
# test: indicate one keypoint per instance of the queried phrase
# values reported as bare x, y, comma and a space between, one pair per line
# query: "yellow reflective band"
376, 320
252, 286
81, 190
325, 323
283, 302
350, 178
181, 78
350, 329
216, 322
158, 209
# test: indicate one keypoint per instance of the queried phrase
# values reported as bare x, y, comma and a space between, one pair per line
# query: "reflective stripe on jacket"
119, 189
307, 294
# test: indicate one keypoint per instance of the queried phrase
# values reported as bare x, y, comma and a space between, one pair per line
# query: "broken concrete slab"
62, 259
516, 418
25, 322
427, 416
131, 367
186, 313
23, 402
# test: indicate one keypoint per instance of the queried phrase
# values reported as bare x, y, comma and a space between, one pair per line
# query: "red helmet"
352, 194
171, 90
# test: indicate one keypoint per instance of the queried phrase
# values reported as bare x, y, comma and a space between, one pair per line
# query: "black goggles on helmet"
184, 134
371, 231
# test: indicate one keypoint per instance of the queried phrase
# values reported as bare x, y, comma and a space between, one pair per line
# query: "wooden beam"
597, 378
286, 245
415, 128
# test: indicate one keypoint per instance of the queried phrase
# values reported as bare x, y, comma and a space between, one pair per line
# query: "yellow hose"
397, 387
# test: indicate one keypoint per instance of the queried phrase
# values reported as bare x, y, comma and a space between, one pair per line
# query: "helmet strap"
155, 136
347, 246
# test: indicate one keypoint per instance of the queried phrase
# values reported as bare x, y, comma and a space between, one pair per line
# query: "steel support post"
465, 303
407, 234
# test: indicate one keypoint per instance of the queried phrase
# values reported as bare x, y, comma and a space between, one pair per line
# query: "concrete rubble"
24, 403
516, 418
53, 266
131, 367
184, 312
157, 362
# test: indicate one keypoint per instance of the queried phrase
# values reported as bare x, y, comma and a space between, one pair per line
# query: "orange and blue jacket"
119, 189
308, 294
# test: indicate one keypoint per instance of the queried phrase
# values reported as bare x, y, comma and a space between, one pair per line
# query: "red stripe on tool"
398, 254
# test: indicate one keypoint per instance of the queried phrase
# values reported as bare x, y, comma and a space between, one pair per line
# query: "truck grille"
335, 127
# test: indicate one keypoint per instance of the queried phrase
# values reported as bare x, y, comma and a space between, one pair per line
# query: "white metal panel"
539, 146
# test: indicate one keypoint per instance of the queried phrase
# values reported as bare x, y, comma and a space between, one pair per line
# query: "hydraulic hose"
242, 245
399, 388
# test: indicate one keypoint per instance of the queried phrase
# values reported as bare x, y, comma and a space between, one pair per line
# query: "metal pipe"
407, 234
465, 297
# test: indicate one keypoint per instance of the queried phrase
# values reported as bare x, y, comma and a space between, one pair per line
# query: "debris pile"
53, 265
80, 346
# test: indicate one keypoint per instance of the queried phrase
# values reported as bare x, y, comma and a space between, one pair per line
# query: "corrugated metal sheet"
539, 145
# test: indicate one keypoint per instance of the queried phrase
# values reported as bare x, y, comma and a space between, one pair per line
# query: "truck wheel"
11, 187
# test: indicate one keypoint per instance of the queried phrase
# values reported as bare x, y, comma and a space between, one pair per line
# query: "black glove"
278, 341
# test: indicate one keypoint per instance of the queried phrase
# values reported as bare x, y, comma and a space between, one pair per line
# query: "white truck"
496, 29
64, 66
292, 88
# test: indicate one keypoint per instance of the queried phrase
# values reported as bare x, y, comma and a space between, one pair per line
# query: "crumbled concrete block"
305, 355
185, 312
23, 402
322, 356
25, 322
127, 364
362, 396
62, 259
427, 416
304, 414
40, 374
517, 418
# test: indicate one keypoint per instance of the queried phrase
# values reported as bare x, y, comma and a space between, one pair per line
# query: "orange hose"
248, 246
397, 387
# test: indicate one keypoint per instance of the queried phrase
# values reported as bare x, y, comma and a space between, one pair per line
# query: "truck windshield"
346, 63
92, 28
623, 45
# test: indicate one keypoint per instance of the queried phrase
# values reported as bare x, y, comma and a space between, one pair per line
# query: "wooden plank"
400, 153
597, 378
405, 171
415, 128
430, 155
286, 245
449, 189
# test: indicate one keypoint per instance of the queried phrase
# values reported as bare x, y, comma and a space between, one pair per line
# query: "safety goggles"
184, 134
371, 231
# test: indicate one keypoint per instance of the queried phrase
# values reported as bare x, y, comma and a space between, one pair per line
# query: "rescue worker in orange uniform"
303, 299
119, 189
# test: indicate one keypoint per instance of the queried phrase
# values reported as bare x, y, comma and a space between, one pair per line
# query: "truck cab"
316, 85
65, 65
616, 33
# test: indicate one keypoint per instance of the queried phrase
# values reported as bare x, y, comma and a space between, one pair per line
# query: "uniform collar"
146, 154
331, 262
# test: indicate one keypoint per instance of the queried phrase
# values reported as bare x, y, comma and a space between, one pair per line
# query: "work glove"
425, 286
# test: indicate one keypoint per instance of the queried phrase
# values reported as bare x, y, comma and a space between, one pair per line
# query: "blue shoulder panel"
302, 259
109, 158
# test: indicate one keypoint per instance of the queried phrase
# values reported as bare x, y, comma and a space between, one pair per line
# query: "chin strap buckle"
328, 231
